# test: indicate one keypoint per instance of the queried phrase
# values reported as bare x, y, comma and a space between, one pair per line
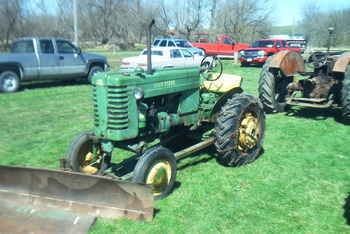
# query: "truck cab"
224, 45
261, 50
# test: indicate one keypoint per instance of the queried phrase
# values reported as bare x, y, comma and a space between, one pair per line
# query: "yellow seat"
225, 83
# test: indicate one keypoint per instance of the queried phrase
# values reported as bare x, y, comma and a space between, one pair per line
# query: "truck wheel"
85, 155
157, 167
93, 71
346, 93
239, 130
273, 89
9, 82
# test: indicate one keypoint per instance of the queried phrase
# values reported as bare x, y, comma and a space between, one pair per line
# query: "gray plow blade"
36, 200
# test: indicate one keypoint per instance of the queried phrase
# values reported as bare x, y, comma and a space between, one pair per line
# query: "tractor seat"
225, 83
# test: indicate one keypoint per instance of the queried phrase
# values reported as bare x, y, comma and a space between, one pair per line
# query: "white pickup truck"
46, 59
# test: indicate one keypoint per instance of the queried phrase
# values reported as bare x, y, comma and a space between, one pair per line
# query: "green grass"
298, 185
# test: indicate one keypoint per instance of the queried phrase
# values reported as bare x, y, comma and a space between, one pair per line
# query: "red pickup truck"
225, 45
260, 50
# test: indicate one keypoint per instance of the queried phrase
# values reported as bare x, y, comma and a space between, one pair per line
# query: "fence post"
235, 57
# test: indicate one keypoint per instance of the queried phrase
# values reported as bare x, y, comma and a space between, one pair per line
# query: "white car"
162, 58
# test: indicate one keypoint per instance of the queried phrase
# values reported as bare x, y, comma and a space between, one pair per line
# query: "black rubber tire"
81, 145
14, 83
272, 89
148, 160
227, 130
93, 71
346, 94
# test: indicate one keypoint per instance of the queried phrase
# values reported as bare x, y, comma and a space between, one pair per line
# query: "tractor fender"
222, 100
289, 62
341, 63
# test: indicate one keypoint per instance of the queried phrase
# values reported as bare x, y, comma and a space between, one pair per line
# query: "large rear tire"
273, 89
346, 94
157, 167
85, 155
239, 130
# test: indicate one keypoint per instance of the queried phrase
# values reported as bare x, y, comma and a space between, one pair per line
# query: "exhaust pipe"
329, 41
149, 52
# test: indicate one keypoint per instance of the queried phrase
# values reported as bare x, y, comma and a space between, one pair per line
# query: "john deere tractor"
132, 110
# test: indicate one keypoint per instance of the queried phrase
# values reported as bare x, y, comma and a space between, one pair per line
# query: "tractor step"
201, 145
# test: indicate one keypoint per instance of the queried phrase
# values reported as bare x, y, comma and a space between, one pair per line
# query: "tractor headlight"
261, 53
139, 93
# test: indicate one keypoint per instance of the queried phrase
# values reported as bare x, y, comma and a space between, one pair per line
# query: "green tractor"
132, 110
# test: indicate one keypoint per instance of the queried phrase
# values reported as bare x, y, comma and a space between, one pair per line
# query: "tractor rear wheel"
346, 93
157, 167
85, 155
239, 129
273, 89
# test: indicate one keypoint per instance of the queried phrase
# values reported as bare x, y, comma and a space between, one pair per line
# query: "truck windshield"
296, 43
183, 43
22, 47
268, 44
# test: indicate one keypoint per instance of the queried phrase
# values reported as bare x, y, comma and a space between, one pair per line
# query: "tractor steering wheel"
211, 68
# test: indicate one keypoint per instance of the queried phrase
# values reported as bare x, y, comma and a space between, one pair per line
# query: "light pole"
75, 13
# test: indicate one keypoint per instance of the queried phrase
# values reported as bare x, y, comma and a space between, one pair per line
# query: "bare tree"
10, 17
315, 23
247, 20
188, 16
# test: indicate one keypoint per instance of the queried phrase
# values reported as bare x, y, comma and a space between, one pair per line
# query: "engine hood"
267, 49
89, 56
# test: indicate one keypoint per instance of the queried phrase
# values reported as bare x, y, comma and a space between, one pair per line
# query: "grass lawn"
299, 184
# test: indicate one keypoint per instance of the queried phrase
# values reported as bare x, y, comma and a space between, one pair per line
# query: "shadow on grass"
347, 209
318, 114
256, 65
50, 84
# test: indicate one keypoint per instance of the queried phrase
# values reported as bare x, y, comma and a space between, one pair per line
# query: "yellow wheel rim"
89, 162
249, 132
159, 177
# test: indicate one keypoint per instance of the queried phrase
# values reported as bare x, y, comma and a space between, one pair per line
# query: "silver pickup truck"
46, 59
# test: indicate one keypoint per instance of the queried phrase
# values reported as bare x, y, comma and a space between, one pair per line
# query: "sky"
289, 11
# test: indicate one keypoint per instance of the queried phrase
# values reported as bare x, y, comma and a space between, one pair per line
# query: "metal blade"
48, 194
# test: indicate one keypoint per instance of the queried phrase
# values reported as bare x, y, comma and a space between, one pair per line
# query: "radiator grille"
117, 107
96, 115
251, 53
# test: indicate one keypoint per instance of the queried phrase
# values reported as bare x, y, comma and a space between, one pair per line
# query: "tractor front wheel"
157, 167
85, 155
346, 93
239, 129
